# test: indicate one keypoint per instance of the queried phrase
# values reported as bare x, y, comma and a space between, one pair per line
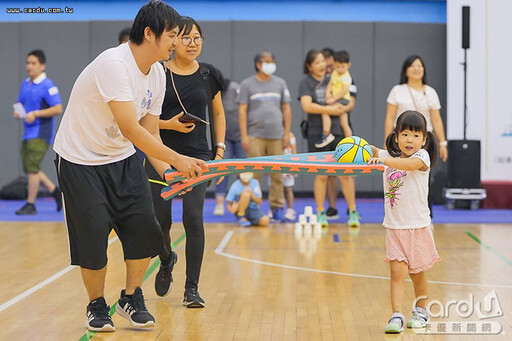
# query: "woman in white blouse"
413, 93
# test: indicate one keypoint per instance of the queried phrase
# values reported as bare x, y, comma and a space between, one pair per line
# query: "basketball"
353, 149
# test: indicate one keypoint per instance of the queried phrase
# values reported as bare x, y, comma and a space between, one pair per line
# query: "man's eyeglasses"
188, 40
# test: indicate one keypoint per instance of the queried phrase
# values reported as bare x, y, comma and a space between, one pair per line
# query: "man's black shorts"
100, 198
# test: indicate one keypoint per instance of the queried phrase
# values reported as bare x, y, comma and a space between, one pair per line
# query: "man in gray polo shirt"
265, 119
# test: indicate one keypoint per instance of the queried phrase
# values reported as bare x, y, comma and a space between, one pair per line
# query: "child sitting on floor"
243, 198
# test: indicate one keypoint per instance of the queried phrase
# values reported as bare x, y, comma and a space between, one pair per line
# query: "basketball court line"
220, 251
43, 283
222, 245
485, 246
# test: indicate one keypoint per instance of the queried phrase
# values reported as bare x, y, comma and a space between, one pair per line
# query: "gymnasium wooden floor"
258, 284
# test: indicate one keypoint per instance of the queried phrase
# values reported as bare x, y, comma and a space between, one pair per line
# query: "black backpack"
15, 190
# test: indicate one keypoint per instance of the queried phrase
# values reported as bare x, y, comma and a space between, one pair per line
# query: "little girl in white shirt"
410, 248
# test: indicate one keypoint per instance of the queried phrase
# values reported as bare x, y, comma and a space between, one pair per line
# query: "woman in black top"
185, 84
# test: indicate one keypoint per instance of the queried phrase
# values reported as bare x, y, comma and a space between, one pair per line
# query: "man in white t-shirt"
115, 104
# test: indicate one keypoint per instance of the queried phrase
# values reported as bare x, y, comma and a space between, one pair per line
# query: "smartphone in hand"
189, 118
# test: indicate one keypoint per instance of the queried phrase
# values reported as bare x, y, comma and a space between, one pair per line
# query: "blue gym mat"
371, 211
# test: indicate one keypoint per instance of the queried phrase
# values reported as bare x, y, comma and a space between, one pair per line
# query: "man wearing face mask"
265, 120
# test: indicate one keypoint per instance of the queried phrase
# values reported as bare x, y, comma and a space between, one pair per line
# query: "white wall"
489, 79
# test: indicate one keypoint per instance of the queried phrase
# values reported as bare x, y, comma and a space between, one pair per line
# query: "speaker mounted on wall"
464, 161
465, 27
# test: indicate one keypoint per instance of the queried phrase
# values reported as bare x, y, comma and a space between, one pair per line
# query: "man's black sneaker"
56, 194
163, 278
98, 318
27, 209
192, 299
332, 213
134, 309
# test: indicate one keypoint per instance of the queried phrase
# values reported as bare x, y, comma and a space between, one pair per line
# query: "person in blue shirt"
41, 100
244, 199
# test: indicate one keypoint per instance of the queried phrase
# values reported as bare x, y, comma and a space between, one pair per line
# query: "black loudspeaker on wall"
464, 155
464, 165
465, 27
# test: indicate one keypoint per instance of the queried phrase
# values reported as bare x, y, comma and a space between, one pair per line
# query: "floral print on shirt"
394, 179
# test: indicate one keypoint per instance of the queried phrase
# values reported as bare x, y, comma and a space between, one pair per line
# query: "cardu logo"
488, 308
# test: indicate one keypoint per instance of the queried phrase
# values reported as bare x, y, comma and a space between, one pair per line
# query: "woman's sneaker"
419, 318
325, 140
322, 219
163, 278
353, 219
192, 299
395, 324
332, 213
98, 316
134, 309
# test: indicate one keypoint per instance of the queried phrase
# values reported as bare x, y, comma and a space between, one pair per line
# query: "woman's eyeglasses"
188, 40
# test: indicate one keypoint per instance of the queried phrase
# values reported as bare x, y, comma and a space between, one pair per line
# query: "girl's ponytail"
391, 145
432, 147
